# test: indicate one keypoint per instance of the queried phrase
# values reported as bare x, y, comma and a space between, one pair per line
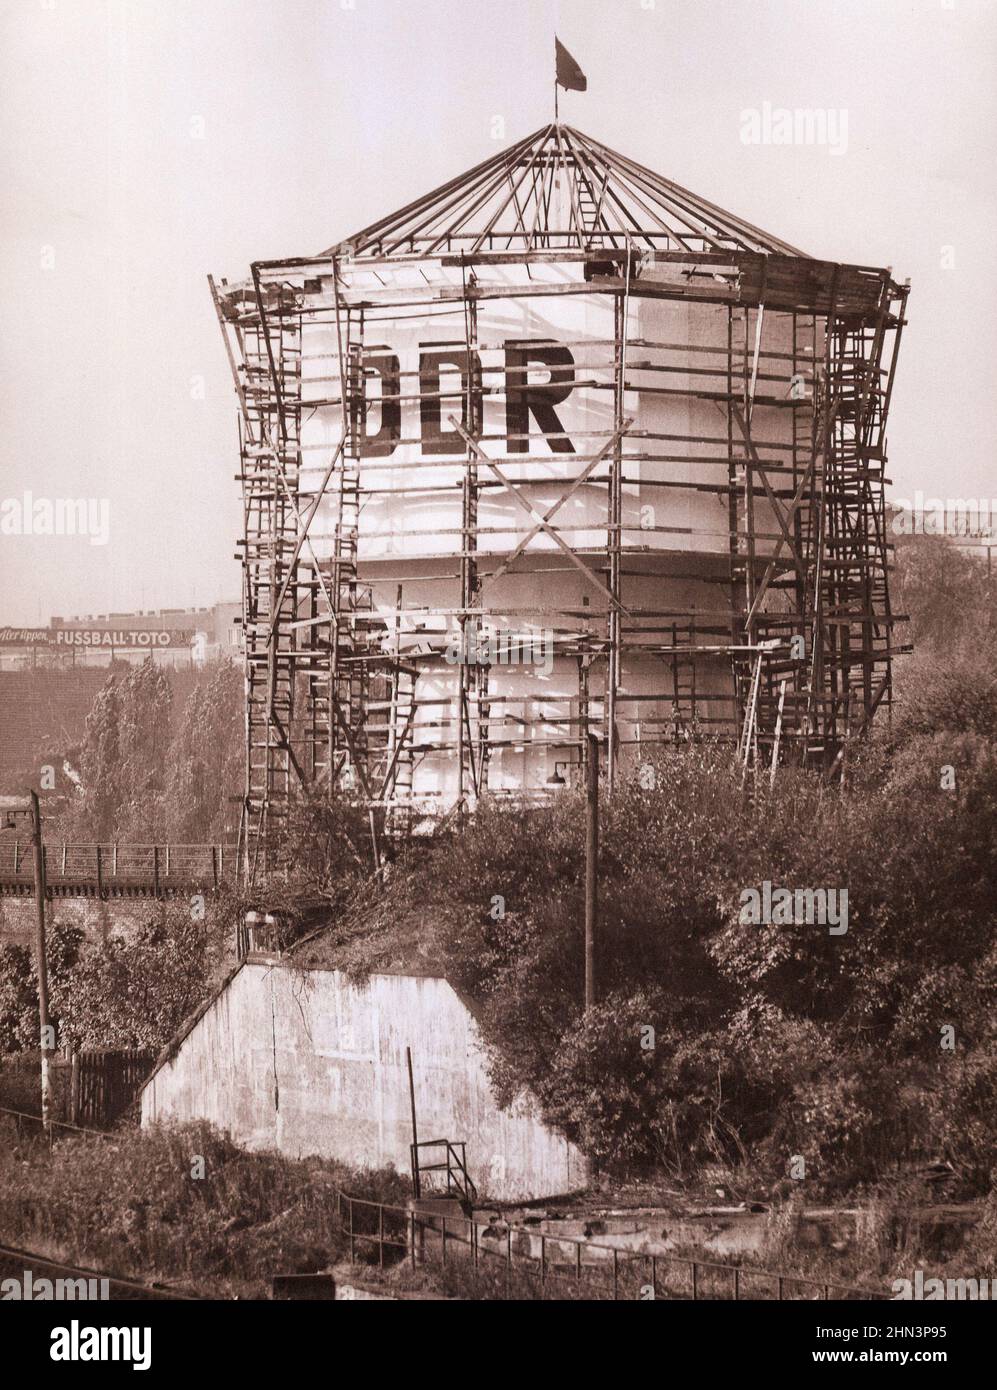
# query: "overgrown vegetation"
133, 990
716, 1041
180, 1205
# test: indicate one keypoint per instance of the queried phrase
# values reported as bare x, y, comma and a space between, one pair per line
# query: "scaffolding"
757, 422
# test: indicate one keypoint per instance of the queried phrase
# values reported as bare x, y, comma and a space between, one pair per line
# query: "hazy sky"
145, 143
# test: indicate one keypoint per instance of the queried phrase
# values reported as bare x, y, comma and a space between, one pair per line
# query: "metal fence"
518, 1262
110, 868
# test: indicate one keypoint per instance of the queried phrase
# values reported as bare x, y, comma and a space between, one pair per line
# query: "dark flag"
569, 74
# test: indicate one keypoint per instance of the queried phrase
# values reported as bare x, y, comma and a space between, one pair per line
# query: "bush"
770, 1040
135, 1206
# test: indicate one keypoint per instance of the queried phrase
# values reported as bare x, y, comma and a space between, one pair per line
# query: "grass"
137, 1205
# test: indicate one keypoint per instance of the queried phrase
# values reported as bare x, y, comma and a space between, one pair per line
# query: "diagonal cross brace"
300, 541
590, 468
542, 523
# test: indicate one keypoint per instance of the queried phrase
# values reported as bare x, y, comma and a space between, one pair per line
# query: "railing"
116, 868
543, 1263
454, 1164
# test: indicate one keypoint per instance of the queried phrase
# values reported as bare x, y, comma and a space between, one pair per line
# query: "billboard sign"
99, 637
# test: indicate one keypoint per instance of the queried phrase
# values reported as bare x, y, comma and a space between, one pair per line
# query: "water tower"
559, 447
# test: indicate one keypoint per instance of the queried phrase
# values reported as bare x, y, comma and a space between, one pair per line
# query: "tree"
137, 992
206, 756
19, 987
148, 776
946, 593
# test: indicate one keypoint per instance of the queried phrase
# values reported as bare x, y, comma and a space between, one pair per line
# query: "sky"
146, 143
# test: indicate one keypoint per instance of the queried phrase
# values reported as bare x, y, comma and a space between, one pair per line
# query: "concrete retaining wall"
305, 1062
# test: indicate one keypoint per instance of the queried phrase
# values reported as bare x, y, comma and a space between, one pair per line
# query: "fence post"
380, 1234
155, 870
17, 854
350, 1200
543, 1263
616, 1275
64, 859
695, 1280
167, 860
737, 1284
114, 860
443, 1220
100, 875
214, 866
412, 1239
74, 1088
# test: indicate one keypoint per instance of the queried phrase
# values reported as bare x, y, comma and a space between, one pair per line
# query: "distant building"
177, 637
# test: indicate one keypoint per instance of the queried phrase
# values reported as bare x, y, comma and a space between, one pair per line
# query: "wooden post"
74, 1089
591, 867
778, 734
416, 1183
41, 962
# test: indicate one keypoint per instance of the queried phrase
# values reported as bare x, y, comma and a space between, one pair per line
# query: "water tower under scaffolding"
558, 447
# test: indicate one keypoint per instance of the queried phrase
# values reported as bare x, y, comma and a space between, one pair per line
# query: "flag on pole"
569, 74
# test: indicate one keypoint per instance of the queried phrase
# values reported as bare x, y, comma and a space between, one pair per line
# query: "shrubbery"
768, 1041
142, 1204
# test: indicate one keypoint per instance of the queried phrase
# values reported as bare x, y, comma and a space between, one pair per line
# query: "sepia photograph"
498, 672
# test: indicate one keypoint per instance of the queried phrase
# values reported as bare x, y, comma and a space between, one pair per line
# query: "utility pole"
42, 964
28, 805
591, 866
